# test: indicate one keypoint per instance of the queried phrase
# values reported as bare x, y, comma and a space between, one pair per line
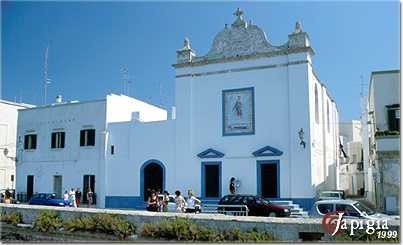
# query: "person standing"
232, 186
90, 195
78, 196
66, 196
165, 201
180, 202
72, 195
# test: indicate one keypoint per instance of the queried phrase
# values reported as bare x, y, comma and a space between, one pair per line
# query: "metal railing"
235, 210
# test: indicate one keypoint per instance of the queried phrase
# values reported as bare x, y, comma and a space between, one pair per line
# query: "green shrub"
386, 133
105, 223
47, 221
122, 228
11, 218
183, 230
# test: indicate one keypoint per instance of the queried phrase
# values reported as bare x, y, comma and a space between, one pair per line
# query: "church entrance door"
153, 179
269, 179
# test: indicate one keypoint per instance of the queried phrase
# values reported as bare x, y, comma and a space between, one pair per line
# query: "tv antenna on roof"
126, 80
46, 80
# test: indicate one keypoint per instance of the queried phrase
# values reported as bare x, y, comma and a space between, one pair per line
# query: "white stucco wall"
136, 143
73, 161
8, 141
384, 90
280, 96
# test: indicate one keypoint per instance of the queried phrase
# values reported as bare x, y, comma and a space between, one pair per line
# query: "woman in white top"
72, 195
193, 204
66, 196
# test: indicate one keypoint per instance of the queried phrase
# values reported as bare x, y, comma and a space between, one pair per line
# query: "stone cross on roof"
238, 12
239, 22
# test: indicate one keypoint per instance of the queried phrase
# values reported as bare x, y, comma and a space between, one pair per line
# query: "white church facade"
246, 109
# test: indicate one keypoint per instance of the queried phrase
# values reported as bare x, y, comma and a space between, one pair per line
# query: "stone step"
293, 206
296, 210
282, 202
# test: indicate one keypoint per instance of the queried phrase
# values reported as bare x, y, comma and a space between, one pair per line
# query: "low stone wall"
286, 229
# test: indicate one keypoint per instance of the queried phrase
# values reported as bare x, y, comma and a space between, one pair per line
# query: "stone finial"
186, 43
298, 27
186, 53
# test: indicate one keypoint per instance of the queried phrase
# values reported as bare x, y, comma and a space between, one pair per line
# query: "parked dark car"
48, 199
257, 205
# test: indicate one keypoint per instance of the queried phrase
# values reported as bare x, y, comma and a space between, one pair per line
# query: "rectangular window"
58, 140
30, 142
87, 137
394, 119
112, 149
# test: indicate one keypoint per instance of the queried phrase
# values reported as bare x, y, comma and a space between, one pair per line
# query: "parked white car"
171, 202
330, 195
352, 209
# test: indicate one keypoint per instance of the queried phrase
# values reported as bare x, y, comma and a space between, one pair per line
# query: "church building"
247, 109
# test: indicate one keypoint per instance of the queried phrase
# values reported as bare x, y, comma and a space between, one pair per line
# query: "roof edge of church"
244, 57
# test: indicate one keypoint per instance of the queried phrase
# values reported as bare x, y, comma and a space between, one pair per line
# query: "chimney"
59, 99
173, 113
136, 116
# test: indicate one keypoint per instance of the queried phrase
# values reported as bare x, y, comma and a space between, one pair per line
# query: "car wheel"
272, 214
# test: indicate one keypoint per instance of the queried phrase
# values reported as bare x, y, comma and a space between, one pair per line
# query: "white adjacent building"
247, 109
351, 162
8, 135
381, 115
64, 145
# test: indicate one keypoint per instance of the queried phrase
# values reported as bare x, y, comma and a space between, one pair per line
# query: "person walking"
193, 203
180, 202
72, 195
90, 195
78, 196
165, 201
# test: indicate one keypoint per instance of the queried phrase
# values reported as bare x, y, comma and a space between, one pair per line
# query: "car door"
251, 203
349, 211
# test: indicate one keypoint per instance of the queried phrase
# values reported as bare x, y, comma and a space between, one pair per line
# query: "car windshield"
330, 194
260, 200
50, 196
363, 208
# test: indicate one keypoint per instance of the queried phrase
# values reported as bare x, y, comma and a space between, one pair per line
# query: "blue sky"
89, 43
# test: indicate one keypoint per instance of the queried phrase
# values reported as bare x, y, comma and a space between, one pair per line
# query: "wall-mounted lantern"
301, 137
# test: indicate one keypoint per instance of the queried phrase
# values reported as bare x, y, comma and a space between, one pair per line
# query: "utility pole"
160, 87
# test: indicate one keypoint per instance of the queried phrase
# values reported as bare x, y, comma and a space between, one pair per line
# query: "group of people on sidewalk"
74, 197
190, 205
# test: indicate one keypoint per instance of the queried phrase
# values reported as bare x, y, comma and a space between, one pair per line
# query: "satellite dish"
5, 151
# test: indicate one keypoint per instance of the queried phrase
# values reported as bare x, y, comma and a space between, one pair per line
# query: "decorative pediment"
210, 153
267, 151
243, 40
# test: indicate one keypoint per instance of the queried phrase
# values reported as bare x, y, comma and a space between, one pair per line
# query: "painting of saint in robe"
238, 111
238, 107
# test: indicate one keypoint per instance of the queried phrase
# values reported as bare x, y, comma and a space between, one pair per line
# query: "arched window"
316, 104
328, 117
